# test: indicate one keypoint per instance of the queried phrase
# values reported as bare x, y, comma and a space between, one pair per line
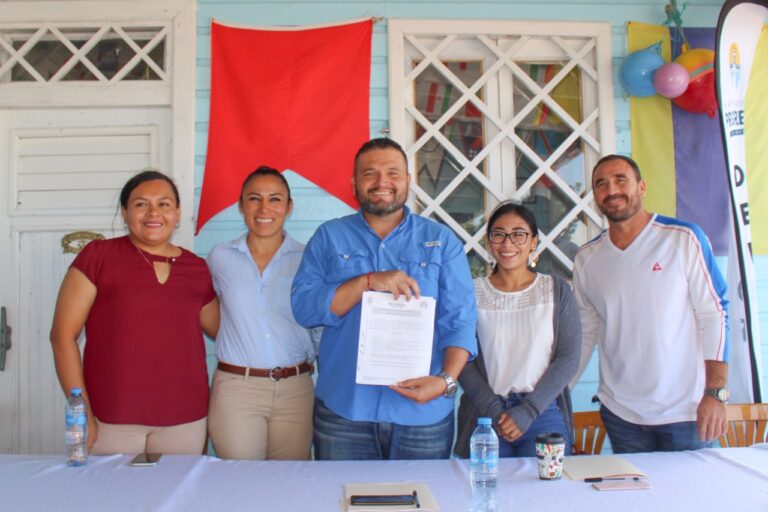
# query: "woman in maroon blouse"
144, 303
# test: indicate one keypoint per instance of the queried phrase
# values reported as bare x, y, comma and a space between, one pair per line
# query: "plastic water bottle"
76, 429
484, 466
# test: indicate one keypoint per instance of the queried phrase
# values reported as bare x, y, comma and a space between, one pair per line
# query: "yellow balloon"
698, 62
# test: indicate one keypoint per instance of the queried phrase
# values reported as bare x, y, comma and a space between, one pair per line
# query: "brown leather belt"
273, 374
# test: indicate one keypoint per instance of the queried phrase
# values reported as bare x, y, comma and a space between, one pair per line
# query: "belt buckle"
273, 373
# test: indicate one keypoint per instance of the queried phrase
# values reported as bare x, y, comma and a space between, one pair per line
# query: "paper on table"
426, 500
599, 466
395, 338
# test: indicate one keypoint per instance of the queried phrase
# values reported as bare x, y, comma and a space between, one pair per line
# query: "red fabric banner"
289, 99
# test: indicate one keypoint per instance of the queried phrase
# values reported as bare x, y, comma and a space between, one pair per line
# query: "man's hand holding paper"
395, 282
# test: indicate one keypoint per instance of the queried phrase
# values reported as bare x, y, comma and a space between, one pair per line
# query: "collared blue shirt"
344, 248
257, 325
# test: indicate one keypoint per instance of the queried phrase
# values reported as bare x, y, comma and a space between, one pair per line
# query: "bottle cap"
75, 392
483, 421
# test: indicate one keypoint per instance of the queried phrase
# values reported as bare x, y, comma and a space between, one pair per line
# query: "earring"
177, 226
532, 260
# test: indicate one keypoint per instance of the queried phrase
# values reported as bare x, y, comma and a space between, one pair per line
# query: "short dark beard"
617, 218
379, 211
626, 214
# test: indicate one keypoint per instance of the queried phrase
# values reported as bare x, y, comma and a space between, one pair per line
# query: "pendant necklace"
167, 261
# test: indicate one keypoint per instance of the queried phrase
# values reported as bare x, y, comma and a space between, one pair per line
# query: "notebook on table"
585, 467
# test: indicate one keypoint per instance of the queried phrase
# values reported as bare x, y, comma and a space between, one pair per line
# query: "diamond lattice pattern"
110, 53
504, 117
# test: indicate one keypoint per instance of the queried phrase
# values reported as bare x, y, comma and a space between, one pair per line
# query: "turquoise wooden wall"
312, 205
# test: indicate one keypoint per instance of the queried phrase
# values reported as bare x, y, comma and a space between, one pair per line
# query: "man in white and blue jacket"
653, 300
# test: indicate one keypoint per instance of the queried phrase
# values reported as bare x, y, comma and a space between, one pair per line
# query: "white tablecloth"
720, 480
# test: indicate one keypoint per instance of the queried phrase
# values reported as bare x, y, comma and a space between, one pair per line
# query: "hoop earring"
533, 260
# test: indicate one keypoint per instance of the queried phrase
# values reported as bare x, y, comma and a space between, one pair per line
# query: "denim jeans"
550, 420
337, 438
629, 437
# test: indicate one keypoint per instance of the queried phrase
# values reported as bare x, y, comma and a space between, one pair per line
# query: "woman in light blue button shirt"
262, 391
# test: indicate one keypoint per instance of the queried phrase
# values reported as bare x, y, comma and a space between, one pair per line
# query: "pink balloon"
671, 80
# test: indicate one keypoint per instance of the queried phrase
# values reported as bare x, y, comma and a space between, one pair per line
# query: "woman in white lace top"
529, 343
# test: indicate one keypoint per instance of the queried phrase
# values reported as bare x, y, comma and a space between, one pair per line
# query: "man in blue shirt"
384, 247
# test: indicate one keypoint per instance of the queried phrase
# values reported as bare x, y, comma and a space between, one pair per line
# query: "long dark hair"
519, 210
142, 177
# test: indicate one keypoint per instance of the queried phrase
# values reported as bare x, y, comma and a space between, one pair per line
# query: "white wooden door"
91, 92
62, 173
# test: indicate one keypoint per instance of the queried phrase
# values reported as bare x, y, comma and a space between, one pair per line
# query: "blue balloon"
637, 70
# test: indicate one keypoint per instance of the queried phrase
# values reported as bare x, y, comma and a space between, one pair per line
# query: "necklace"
144, 257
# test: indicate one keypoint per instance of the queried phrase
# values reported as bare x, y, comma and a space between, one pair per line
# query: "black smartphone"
382, 499
146, 459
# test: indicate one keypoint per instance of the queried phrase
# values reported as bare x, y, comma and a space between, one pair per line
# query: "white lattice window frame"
119, 17
596, 129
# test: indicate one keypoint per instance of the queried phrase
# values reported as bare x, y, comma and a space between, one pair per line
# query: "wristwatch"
450, 385
719, 394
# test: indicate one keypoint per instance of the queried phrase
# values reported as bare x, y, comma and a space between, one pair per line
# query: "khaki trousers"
256, 418
184, 439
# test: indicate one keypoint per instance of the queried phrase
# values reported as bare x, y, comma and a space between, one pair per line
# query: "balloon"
671, 80
636, 72
700, 95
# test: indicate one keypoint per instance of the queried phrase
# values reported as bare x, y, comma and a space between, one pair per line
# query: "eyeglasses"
516, 237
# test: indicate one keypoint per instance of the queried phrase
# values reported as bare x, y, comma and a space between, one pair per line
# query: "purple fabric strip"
701, 177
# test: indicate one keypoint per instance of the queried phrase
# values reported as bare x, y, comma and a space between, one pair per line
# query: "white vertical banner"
741, 376
738, 31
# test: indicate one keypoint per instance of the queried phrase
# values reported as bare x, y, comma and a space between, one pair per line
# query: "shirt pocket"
422, 264
349, 264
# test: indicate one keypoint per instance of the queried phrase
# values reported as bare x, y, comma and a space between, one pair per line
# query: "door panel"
62, 173
41, 403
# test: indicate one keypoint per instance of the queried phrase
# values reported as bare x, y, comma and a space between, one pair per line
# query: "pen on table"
416, 499
605, 479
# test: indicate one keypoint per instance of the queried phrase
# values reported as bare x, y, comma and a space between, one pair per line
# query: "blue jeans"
629, 437
550, 420
337, 438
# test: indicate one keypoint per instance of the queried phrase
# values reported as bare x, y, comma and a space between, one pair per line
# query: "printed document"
395, 338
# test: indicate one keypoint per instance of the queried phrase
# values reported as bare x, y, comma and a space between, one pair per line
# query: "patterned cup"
550, 450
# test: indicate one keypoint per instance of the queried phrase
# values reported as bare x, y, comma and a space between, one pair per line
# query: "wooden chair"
590, 433
746, 425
